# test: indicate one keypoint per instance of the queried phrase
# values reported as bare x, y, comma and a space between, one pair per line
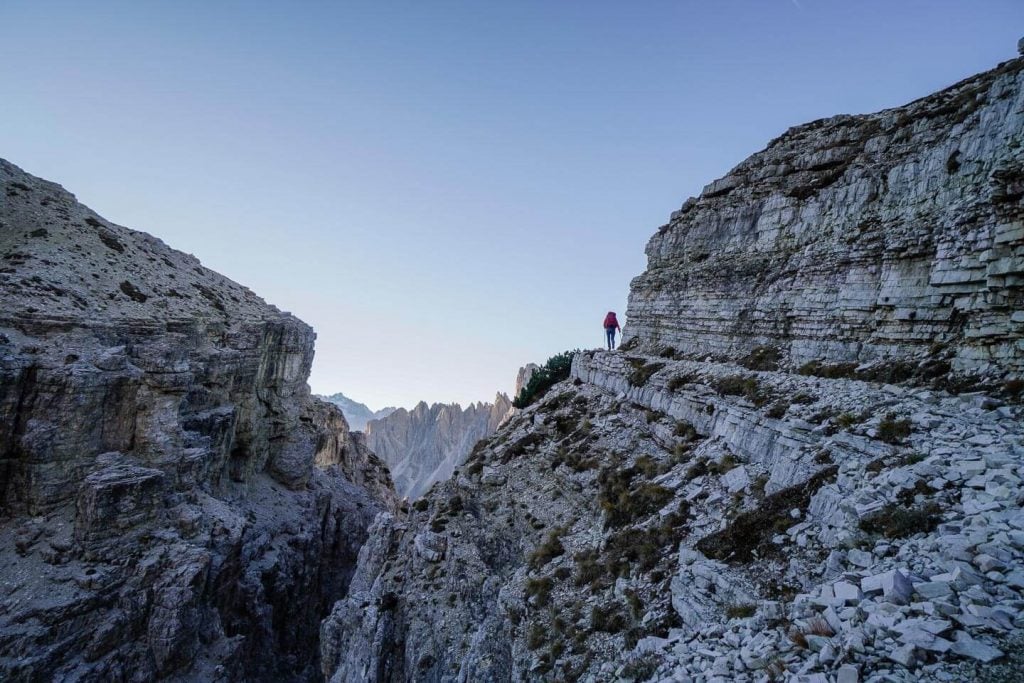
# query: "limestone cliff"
424, 445
693, 508
854, 239
173, 503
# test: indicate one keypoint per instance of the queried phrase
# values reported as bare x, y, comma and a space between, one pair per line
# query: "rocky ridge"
426, 444
804, 465
173, 503
356, 414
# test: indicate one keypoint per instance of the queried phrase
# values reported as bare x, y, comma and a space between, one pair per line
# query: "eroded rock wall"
856, 238
174, 503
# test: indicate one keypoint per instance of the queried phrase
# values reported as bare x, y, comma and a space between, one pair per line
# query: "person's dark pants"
610, 331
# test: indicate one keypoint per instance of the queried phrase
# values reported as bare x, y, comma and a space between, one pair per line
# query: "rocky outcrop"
856, 239
356, 414
524, 376
692, 508
424, 445
174, 503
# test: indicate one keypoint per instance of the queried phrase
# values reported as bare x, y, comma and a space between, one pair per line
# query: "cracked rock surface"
173, 503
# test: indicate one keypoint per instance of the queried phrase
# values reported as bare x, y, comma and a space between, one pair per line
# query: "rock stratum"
855, 239
173, 503
426, 444
805, 464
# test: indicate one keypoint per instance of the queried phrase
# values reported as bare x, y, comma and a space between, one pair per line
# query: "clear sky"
444, 190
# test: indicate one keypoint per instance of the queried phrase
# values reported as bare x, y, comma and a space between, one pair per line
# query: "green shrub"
803, 398
642, 667
588, 569
684, 430
553, 371
541, 589
535, 638
762, 358
740, 611
642, 371
778, 410
548, 550
420, 505
896, 521
623, 502
893, 431
737, 385
608, 619
819, 368
679, 381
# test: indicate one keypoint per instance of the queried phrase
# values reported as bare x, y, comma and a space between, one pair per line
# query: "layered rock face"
424, 445
705, 513
357, 414
174, 503
856, 238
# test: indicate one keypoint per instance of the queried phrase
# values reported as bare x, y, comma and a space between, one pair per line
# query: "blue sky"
444, 190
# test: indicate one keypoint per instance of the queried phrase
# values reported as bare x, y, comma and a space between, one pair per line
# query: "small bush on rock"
762, 358
553, 371
740, 611
548, 550
892, 430
642, 371
737, 385
896, 521
623, 502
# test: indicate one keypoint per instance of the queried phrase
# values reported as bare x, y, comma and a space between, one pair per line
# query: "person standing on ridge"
611, 323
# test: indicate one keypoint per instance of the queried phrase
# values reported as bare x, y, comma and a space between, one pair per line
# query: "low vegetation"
898, 521
623, 501
892, 430
762, 358
548, 550
553, 371
642, 371
747, 387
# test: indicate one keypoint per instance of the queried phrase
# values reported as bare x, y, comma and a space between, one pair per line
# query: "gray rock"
428, 443
966, 646
176, 505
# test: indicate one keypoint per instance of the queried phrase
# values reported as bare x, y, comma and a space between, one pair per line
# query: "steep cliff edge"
173, 504
855, 238
426, 444
695, 509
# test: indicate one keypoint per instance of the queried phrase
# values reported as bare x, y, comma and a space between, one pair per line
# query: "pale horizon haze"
444, 191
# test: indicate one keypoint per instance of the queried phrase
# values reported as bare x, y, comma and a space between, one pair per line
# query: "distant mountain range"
425, 445
357, 414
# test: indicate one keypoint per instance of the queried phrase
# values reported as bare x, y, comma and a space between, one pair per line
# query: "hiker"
611, 323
